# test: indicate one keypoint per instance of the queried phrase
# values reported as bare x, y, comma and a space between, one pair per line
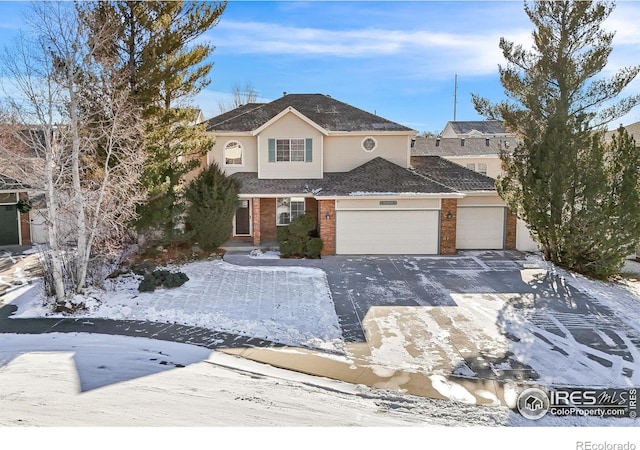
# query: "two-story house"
353, 171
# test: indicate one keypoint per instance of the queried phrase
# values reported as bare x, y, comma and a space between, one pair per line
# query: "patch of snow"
451, 390
264, 254
288, 305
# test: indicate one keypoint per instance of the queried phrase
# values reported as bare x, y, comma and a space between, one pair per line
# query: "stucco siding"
344, 153
483, 200
494, 167
249, 153
290, 126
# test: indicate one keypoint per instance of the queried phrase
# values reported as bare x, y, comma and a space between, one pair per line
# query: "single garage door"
480, 228
387, 232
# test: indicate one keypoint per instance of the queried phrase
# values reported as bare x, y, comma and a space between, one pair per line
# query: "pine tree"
561, 177
212, 199
156, 49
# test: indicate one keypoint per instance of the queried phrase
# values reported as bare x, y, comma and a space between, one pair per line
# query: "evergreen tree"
212, 199
578, 195
155, 45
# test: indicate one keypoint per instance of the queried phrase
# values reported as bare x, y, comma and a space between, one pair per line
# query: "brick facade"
268, 228
448, 226
511, 230
255, 219
327, 225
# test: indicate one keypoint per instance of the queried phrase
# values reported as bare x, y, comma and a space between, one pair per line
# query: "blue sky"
395, 58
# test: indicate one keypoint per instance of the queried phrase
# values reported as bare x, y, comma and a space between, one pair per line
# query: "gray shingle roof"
633, 129
431, 146
483, 126
323, 110
375, 177
452, 175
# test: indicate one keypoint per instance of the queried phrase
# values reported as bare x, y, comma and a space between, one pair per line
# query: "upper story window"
290, 150
233, 154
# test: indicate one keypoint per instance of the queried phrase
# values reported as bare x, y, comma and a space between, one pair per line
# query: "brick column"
511, 231
25, 223
327, 225
448, 226
255, 219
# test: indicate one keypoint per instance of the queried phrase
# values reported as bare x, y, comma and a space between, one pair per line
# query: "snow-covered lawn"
287, 305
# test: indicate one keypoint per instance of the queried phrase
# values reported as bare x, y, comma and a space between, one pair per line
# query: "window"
289, 149
233, 154
482, 168
471, 166
369, 144
288, 209
8, 198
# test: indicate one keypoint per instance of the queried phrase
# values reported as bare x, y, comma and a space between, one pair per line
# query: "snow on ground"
288, 305
264, 254
96, 380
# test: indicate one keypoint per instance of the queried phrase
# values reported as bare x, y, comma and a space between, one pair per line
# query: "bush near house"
162, 279
299, 238
212, 201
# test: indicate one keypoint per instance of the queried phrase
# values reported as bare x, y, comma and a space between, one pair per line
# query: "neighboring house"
474, 129
634, 130
481, 154
475, 145
15, 227
353, 172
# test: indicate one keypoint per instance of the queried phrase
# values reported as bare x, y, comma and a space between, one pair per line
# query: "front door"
243, 227
9, 234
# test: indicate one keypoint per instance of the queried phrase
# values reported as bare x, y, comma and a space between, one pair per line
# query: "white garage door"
480, 228
387, 232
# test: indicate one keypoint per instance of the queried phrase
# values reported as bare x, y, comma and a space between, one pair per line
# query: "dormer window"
233, 154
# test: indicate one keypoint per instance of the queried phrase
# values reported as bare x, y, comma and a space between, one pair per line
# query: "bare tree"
241, 96
72, 111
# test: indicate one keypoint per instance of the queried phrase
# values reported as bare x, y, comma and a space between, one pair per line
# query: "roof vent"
462, 142
284, 93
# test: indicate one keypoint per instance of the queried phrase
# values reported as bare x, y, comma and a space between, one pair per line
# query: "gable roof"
380, 177
326, 112
474, 146
452, 175
481, 126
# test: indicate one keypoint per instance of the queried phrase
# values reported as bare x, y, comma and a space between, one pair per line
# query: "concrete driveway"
482, 315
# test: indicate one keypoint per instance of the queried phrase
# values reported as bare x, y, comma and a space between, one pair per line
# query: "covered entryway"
390, 232
9, 225
242, 223
480, 228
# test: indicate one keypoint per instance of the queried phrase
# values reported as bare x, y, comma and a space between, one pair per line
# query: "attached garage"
480, 228
387, 232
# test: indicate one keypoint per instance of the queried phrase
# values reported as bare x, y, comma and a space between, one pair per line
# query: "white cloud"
434, 51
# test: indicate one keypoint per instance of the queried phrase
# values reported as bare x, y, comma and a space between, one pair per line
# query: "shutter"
272, 150
308, 147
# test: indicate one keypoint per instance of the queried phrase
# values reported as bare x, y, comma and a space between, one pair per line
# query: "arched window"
233, 154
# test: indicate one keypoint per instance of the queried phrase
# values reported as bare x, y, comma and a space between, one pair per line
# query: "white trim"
304, 150
375, 144
283, 113
250, 200
224, 155
410, 133
386, 209
11, 192
388, 197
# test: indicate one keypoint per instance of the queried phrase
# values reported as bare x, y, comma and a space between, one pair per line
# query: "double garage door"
415, 232
389, 232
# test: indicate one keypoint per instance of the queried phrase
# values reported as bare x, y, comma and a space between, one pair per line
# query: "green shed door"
9, 225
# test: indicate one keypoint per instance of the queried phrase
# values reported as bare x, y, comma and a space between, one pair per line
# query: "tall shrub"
212, 199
